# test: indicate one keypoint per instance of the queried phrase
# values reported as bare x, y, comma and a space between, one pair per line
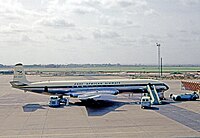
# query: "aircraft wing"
97, 97
86, 97
95, 94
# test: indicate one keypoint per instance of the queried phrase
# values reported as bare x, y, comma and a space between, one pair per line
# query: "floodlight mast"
158, 45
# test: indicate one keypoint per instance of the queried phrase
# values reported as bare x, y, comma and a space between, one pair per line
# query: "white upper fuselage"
94, 83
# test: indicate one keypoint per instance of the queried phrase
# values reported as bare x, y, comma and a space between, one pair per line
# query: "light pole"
158, 45
161, 67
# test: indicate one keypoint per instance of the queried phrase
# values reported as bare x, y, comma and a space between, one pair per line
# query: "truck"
145, 102
185, 96
56, 101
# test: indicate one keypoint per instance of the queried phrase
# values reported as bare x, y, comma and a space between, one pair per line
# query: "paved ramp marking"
181, 115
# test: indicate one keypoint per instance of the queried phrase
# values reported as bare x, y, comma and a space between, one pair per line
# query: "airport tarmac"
27, 115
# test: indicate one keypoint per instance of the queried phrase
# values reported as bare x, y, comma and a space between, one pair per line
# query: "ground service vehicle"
145, 102
185, 96
56, 101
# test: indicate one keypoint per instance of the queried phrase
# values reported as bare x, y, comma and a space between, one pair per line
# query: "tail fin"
19, 74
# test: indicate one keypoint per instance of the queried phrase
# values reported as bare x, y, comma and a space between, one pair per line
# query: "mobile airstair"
153, 94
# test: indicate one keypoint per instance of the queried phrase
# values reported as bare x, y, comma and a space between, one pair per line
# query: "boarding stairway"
153, 94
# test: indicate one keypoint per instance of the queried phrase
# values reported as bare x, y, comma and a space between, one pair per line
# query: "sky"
99, 31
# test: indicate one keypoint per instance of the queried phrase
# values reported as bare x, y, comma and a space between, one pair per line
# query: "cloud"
55, 22
98, 34
190, 2
21, 38
127, 3
113, 21
72, 36
11, 16
196, 33
123, 3
109, 4
26, 38
15, 10
14, 32
14, 28
84, 10
88, 3
66, 37
149, 12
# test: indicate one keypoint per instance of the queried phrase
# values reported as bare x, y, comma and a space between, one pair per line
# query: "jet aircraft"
84, 89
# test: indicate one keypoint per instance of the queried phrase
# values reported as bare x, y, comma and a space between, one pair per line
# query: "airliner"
84, 89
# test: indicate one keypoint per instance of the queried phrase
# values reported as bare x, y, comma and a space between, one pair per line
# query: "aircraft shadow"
32, 107
152, 108
101, 107
169, 101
